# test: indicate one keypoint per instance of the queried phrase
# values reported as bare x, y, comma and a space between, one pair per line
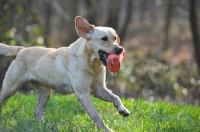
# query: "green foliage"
19, 24
64, 113
32, 37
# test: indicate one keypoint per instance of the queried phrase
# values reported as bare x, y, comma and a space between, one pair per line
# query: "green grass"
64, 113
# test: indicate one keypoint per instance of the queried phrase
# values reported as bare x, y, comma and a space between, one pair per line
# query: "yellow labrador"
75, 69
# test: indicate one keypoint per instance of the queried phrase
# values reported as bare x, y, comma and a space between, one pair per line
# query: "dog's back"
9, 50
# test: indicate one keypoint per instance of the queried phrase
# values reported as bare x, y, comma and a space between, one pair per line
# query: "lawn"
64, 113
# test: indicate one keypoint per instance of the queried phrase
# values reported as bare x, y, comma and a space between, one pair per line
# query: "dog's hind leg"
6, 93
43, 98
106, 95
11, 83
8, 90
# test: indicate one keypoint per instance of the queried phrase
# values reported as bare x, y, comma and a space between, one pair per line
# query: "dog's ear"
83, 28
117, 39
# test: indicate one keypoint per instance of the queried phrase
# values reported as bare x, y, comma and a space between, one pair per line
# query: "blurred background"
161, 38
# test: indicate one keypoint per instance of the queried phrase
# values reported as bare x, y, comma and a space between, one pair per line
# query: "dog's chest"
95, 66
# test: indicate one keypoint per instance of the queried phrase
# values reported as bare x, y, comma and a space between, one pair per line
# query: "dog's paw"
123, 111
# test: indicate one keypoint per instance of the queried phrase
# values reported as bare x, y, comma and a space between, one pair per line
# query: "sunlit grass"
64, 113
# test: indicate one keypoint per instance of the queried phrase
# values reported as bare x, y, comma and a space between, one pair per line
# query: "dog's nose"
118, 50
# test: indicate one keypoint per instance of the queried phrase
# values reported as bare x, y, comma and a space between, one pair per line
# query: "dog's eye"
104, 38
115, 38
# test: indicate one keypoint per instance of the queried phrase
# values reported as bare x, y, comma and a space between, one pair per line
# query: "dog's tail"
9, 50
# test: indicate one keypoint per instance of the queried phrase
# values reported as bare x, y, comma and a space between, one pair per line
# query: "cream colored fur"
74, 69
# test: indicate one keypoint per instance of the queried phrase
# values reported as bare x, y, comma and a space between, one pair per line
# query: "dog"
75, 69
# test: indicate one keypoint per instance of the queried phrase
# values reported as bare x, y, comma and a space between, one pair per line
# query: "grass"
64, 113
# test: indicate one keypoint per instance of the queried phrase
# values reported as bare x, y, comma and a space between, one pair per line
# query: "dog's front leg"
103, 93
84, 99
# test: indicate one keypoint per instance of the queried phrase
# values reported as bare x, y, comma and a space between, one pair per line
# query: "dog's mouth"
103, 57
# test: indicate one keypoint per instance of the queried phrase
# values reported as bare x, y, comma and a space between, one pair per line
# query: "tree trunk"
168, 19
91, 6
48, 11
127, 20
113, 17
195, 31
143, 6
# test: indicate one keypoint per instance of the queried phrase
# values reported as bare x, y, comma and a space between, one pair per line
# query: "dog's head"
100, 40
